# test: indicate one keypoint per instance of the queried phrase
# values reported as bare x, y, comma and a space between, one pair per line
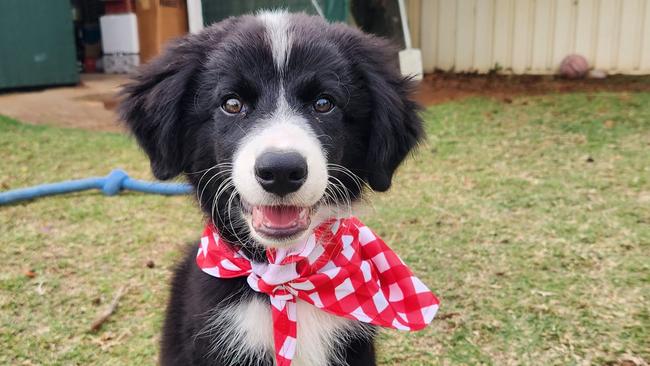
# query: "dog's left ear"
395, 127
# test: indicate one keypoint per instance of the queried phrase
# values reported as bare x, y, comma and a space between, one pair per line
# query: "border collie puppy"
280, 122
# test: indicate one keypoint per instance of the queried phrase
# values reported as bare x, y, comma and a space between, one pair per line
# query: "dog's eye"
323, 104
232, 105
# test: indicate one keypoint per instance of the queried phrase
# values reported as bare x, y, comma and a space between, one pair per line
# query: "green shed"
36, 44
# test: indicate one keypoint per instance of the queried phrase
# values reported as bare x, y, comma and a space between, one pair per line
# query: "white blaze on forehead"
283, 111
277, 30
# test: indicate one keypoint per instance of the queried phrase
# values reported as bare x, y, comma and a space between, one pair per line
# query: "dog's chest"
248, 333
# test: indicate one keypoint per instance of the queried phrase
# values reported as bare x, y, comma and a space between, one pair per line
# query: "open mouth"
279, 222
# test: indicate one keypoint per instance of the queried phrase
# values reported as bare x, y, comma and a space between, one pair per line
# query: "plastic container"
119, 33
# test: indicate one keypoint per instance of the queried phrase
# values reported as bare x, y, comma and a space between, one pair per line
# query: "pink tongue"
277, 217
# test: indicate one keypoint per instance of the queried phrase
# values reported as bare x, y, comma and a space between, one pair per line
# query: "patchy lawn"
530, 220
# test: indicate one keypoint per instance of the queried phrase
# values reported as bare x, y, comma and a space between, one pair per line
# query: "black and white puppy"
279, 121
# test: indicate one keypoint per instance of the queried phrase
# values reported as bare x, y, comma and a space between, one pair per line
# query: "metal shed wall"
36, 44
533, 36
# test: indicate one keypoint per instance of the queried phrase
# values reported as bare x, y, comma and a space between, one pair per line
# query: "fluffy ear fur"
153, 104
395, 127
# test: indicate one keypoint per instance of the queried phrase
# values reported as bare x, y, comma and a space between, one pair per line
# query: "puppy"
280, 121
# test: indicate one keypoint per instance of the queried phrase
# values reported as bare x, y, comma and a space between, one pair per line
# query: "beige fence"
532, 36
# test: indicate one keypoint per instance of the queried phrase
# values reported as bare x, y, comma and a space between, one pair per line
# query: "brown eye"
232, 105
323, 105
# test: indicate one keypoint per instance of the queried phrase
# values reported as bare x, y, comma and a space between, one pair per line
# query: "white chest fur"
246, 332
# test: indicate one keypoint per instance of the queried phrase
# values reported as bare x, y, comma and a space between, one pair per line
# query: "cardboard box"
158, 22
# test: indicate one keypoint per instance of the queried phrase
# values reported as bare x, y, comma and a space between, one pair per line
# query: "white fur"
246, 332
286, 130
242, 331
277, 30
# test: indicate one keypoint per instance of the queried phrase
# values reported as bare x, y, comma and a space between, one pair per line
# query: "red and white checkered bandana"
342, 268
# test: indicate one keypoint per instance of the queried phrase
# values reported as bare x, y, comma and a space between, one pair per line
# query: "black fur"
173, 109
193, 294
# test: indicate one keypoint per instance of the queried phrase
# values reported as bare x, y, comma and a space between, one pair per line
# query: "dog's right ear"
153, 103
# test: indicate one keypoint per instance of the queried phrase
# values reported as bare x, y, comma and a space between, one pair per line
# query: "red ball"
574, 67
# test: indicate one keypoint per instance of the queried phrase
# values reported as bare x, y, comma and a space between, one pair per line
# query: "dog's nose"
281, 172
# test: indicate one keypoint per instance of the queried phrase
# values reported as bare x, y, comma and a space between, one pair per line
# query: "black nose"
281, 172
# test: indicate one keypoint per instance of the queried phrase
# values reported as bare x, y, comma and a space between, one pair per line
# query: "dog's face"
279, 121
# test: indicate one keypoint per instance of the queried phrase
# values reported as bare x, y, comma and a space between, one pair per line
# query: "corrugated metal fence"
533, 36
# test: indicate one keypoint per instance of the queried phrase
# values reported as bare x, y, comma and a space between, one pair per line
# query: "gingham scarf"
342, 268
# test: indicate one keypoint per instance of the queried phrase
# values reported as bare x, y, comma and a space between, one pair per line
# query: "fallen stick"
97, 324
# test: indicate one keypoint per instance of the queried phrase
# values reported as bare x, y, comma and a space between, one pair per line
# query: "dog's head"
278, 120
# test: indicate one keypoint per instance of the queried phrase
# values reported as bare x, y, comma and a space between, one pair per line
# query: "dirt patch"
444, 87
89, 105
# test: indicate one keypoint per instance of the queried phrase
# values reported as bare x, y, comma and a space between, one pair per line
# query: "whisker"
200, 196
212, 167
225, 185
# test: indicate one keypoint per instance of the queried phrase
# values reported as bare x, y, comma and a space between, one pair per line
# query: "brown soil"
91, 105
444, 87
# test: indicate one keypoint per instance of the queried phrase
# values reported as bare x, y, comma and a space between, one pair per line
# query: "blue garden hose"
111, 185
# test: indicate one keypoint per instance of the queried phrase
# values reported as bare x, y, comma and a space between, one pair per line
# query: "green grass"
530, 220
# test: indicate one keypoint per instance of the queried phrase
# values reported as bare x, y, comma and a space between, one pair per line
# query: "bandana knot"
265, 279
342, 268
